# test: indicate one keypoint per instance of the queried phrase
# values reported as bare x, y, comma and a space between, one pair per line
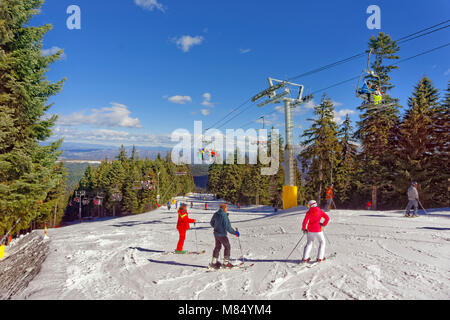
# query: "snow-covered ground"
380, 255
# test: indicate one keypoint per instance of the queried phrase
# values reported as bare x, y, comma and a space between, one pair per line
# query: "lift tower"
290, 189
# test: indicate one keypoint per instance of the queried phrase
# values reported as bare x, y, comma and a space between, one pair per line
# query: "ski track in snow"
380, 255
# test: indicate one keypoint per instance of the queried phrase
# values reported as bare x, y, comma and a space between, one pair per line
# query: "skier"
221, 224
182, 226
329, 197
192, 204
313, 228
378, 96
168, 205
413, 199
366, 91
369, 205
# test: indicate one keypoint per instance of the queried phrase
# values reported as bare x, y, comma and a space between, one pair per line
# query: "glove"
305, 231
238, 234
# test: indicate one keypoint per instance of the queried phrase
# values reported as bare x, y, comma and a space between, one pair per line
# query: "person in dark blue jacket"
221, 224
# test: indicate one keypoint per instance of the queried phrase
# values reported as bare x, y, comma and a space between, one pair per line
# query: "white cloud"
446, 73
280, 109
337, 104
150, 5
205, 112
117, 115
341, 114
268, 120
185, 43
309, 105
179, 99
244, 51
207, 100
52, 51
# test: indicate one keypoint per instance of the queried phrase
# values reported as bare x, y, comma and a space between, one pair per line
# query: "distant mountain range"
77, 152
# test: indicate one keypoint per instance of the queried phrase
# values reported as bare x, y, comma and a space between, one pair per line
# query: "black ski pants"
222, 241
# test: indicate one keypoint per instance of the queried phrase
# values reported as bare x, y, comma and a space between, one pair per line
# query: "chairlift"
371, 92
205, 154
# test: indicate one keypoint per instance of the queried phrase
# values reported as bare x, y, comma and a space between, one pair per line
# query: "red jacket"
183, 220
312, 220
329, 193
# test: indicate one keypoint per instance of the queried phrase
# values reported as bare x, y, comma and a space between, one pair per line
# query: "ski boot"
305, 261
215, 264
226, 264
321, 260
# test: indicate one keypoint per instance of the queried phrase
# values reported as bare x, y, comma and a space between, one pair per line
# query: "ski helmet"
312, 204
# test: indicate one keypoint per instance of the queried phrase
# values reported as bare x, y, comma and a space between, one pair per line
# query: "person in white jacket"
413, 200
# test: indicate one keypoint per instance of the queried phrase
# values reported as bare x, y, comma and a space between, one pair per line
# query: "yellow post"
290, 195
2, 251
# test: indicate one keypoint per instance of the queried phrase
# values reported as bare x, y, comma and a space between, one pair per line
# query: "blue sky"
139, 69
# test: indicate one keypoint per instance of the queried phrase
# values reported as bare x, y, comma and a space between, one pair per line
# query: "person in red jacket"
330, 196
313, 228
183, 226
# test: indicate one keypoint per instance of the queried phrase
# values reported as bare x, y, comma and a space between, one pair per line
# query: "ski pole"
195, 231
243, 259
422, 207
295, 247
327, 239
334, 204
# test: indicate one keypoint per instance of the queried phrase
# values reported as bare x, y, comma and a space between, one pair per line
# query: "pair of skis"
185, 253
311, 264
240, 266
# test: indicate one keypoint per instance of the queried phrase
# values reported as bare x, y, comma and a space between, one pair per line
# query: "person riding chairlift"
371, 95
366, 91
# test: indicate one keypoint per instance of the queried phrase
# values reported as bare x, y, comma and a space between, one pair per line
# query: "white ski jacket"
413, 194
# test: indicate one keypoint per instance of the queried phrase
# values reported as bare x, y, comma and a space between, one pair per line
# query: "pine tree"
276, 181
27, 170
439, 170
414, 138
346, 170
321, 149
375, 130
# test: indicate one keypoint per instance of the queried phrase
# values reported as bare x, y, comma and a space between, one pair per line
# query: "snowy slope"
380, 255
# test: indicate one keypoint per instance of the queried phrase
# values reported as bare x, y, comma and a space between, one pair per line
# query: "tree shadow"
273, 260
375, 216
136, 223
435, 228
174, 263
146, 250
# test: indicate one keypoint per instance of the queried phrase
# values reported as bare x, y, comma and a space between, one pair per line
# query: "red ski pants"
181, 240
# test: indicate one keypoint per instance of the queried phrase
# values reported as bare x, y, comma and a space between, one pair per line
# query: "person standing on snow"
182, 226
221, 224
313, 228
413, 200
329, 197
